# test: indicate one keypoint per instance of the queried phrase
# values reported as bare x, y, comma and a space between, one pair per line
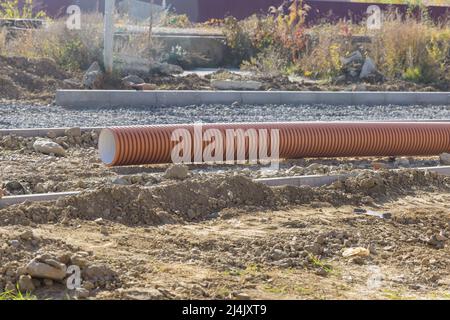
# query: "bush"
71, 49
278, 36
414, 50
409, 47
9, 9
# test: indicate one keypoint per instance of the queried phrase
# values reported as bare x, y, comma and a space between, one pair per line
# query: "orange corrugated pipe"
152, 144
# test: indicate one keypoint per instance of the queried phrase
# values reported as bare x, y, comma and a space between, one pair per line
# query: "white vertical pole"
108, 36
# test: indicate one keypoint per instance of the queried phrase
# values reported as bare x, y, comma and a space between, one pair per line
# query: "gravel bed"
23, 116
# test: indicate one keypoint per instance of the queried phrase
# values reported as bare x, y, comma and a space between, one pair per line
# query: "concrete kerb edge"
112, 98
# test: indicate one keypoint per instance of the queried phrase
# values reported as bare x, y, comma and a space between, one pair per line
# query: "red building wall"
203, 10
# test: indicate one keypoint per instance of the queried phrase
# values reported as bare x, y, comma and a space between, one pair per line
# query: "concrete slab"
255, 97
129, 98
369, 98
178, 98
311, 181
42, 132
12, 200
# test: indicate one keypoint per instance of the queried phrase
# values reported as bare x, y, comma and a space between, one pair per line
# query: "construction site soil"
137, 233
36, 80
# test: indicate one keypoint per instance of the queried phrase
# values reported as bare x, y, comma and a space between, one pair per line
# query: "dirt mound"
23, 78
22, 247
199, 198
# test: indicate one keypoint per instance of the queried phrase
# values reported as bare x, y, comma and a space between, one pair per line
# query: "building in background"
203, 10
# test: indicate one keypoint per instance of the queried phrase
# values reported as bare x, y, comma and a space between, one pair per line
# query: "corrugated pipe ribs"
260, 142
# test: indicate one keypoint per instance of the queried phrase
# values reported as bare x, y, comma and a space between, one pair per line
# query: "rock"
78, 260
177, 171
356, 252
143, 294
145, 87
242, 296
71, 84
132, 79
73, 132
82, 293
437, 241
93, 78
26, 284
373, 249
120, 181
14, 243
128, 64
48, 147
56, 271
235, 85
444, 159
88, 285
51, 134
166, 69
368, 69
356, 56
15, 187
27, 235
98, 272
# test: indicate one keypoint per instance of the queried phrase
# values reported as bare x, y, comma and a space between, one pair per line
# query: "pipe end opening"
107, 146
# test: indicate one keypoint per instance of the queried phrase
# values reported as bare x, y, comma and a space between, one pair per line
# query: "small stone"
73, 132
372, 249
27, 235
242, 296
14, 187
45, 271
355, 56
132, 79
48, 147
14, 243
82, 293
356, 252
78, 260
368, 69
88, 285
26, 284
120, 181
93, 78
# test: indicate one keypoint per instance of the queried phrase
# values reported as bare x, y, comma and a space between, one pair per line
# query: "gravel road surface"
22, 116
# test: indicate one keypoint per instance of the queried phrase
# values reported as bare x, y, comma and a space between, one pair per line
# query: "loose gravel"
22, 116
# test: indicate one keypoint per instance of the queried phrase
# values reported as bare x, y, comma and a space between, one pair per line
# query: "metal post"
108, 36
